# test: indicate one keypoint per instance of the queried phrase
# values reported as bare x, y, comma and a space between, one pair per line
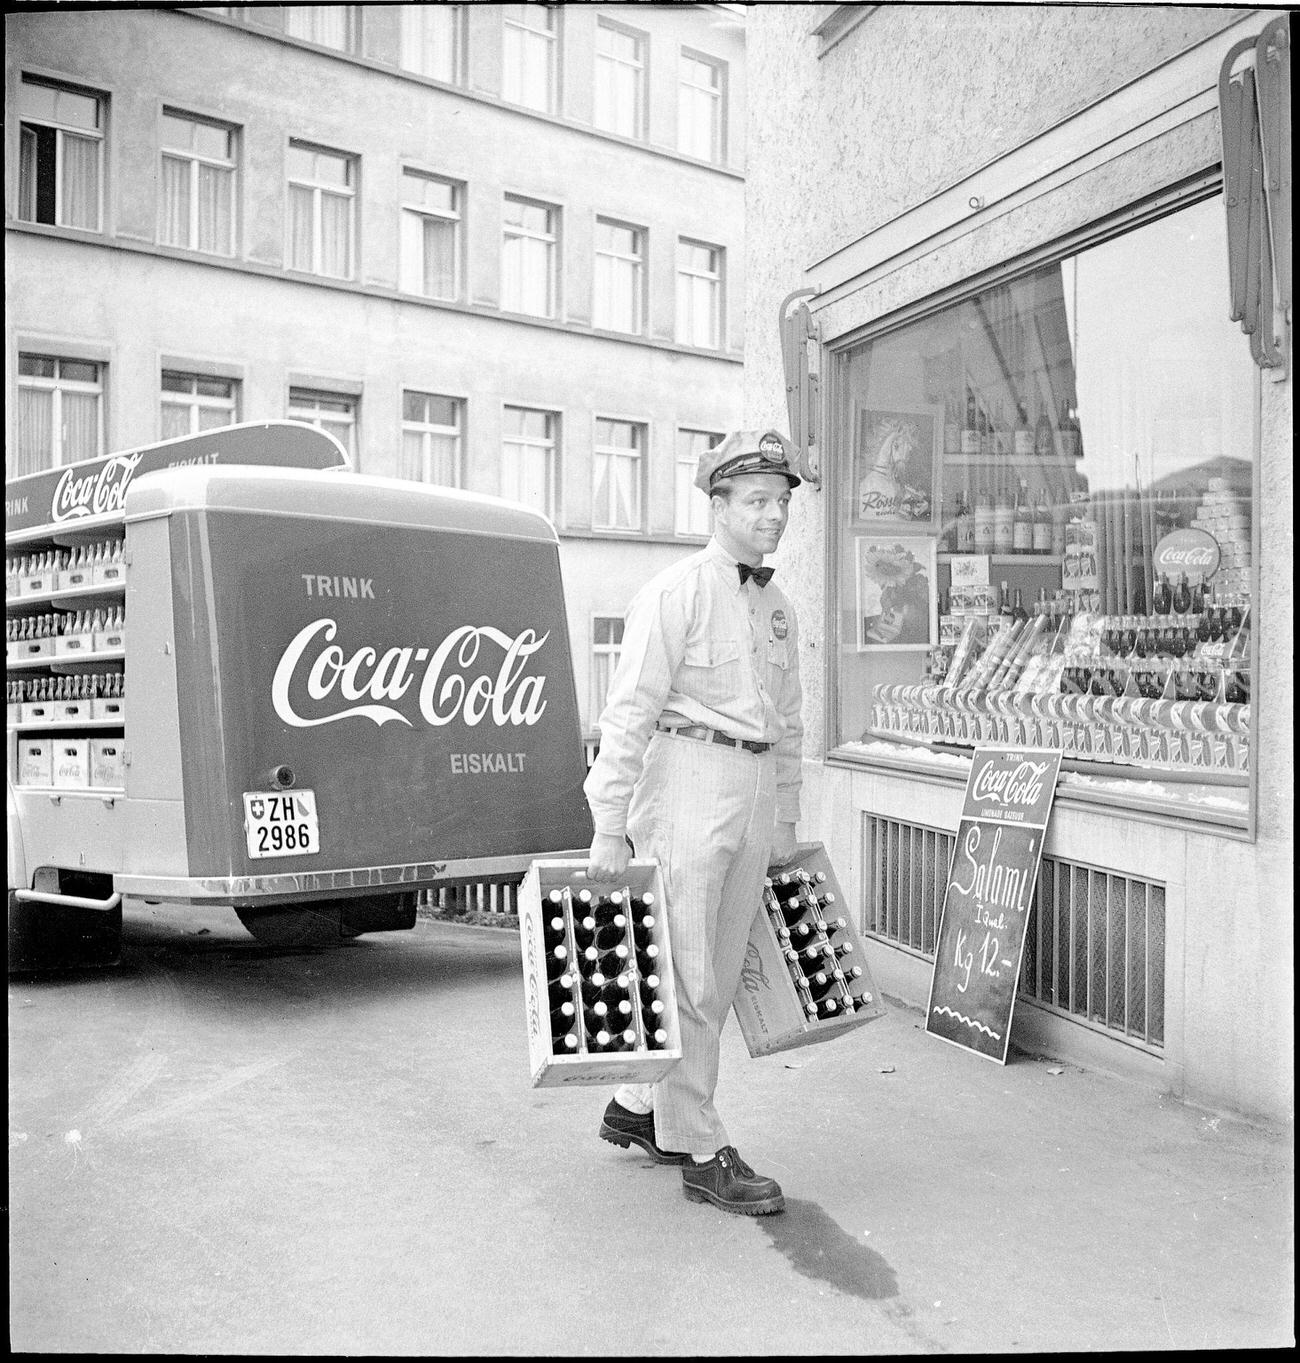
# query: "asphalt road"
219, 1147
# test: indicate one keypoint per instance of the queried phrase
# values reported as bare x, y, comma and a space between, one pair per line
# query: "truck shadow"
210, 954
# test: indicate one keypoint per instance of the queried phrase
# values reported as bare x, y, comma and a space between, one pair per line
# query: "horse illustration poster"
896, 456
897, 603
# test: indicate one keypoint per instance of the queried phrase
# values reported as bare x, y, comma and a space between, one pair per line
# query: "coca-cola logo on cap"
1191, 551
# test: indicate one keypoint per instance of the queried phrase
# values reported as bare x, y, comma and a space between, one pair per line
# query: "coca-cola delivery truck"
240, 673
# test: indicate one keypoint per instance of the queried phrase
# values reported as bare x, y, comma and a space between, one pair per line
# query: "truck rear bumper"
297, 886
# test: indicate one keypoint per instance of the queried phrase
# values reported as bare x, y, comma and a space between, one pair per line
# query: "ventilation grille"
1095, 946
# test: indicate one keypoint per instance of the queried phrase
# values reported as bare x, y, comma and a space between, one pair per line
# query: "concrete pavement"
223, 1148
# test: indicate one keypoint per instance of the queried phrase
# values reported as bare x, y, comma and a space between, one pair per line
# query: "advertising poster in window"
897, 597
897, 453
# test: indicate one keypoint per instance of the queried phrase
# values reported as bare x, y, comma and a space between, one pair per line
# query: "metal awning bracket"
800, 349
1255, 128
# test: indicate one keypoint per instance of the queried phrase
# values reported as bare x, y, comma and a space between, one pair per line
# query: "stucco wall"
906, 105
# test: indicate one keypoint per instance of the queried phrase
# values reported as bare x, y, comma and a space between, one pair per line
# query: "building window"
530, 65
334, 413
195, 402
60, 416
431, 235
528, 257
699, 294
693, 516
606, 645
701, 107
431, 439
620, 79
617, 461
198, 184
336, 26
60, 165
1042, 433
322, 204
432, 39
528, 458
619, 277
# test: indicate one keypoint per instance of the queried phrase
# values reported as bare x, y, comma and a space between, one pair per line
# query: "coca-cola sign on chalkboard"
990, 890
1191, 551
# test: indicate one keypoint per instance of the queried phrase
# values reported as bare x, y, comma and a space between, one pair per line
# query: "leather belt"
706, 735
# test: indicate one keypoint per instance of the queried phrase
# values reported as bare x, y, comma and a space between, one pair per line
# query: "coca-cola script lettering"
95, 492
1021, 785
456, 682
1189, 550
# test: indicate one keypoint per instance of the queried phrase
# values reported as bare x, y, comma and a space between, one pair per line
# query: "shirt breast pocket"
711, 672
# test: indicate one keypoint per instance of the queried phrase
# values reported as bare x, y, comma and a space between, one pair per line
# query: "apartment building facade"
496, 247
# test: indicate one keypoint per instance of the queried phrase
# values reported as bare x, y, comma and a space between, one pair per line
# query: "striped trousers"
706, 813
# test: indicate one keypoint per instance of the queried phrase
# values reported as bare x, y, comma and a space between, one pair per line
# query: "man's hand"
784, 845
608, 857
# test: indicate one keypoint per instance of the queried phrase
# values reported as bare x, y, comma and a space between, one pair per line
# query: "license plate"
281, 823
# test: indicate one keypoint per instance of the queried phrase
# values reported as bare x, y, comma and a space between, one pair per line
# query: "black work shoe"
728, 1182
621, 1127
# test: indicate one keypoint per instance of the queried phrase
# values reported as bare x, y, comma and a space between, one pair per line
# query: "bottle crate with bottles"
805, 977
598, 976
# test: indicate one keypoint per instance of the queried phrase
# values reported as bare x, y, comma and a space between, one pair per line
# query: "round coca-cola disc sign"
1191, 551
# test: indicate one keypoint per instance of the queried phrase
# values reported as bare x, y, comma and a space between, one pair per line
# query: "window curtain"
300, 231
33, 447
176, 202
439, 258
216, 210
336, 235
80, 426
80, 181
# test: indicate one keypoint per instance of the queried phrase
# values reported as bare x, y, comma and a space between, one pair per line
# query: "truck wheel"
313, 925
327, 921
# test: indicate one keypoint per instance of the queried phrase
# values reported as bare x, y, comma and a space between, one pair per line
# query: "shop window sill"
1217, 801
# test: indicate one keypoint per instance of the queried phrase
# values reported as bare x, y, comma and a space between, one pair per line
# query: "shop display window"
1045, 514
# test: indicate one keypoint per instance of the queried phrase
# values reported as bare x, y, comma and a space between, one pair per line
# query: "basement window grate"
1095, 945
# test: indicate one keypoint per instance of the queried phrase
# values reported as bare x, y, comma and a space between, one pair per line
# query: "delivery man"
699, 769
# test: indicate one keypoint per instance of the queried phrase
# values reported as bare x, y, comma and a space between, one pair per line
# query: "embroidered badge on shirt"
779, 627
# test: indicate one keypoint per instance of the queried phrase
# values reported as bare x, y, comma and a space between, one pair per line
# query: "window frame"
718, 93
601, 649
195, 160
318, 190
1130, 217
639, 66
195, 402
640, 458
527, 41
304, 395
550, 444
550, 238
57, 386
352, 19
692, 465
61, 132
422, 211
717, 309
412, 15
640, 274
426, 430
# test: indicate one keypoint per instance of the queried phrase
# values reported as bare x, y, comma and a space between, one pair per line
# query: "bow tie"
760, 575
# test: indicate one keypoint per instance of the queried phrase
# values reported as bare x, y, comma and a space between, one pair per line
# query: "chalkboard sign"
990, 890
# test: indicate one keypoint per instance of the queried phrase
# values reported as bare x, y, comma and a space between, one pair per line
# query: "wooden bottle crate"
547, 1067
768, 1005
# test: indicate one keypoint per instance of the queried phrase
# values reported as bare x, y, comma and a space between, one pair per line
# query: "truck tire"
325, 922
312, 925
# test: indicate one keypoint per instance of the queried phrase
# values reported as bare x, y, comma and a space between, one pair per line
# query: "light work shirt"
701, 648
